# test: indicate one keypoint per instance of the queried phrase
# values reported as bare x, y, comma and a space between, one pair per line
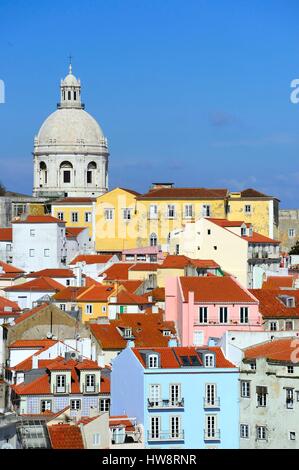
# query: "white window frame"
188, 211
245, 386
73, 404
32, 252
127, 213
261, 433
247, 209
244, 315
153, 361
244, 431
209, 360
175, 426
291, 233
155, 394
88, 217
46, 252
96, 439
60, 215
32, 232
171, 211
108, 213
222, 309
203, 312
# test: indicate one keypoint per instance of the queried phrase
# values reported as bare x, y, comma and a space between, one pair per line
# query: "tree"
295, 249
2, 189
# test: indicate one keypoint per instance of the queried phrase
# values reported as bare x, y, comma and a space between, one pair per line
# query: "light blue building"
185, 398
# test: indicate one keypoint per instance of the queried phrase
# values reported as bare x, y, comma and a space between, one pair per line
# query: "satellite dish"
7, 446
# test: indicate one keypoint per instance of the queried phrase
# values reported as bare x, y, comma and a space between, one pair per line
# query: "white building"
70, 150
39, 242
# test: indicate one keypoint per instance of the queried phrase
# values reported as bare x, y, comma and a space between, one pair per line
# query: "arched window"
91, 168
153, 239
66, 171
43, 173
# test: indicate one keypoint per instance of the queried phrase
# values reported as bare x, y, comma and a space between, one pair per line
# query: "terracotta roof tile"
65, 436
128, 298
72, 200
5, 234
271, 306
41, 284
117, 272
276, 282
8, 308
275, 350
95, 293
117, 421
39, 219
259, 238
32, 343
185, 193
215, 289
175, 262
145, 267
10, 269
69, 293
73, 232
131, 285
91, 259
63, 273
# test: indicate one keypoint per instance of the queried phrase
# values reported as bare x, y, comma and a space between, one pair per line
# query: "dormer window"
166, 332
291, 302
127, 333
60, 384
209, 360
153, 361
243, 231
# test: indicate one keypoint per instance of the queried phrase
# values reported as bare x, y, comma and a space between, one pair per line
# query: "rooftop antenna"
70, 64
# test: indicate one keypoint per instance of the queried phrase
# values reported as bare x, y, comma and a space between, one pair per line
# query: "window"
60, 384
175, 394
155, 424
203, 314
292, 232
175, 427
288, 325
122, 309
247, 209
153, 239
210, 396
171, 211
209, 360
104, 309
89, 177
87, 216
104, 404
69, 95
153, 361
96, 439
253, 365
66, 176
188, 211
62, 307
46, 252
209, 231
245, 389
75, 404
292, 436
261, 396
290, 369
273, 326
45, 405
74, 216
223, 315
153, 212
90, 382
215, 247
128, 333
289, 398
31, 252
243, 231
108, 214
127, 214
60, 215
32, 232
244, 431
261, 433
206, 210
244, 315
89, 309
211, 421
177, 249
155, 394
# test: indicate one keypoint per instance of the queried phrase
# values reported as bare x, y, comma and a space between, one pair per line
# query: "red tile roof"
276, 282
69, 293
157, 294
65, 436
39, 219
175, 262
117, 421
215, 289
118, 271
147, 330
171, 357
73, 232
95, 293
41, 284
185, 193
271, 306
132, 285
63, 273
128, 298
225, 222
32, 343
258, 238
275, 350
252, 193
91, 259
145, 267
72, 200
5, 234
8, 308
10, 269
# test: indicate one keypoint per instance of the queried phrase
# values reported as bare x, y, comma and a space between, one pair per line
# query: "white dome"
70, 127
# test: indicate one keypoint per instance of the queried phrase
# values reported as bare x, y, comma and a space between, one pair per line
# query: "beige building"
288, 228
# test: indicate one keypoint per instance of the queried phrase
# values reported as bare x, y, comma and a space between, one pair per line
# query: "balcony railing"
90, 388
60, 390
211, 403
212, 435
166, 436
155, 404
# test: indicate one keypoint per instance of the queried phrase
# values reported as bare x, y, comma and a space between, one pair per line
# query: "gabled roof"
91, 259
184, 193
117, 272
250, 192
117, 421
147, 330
41, 284
65, 436
215, 289
6, 234
277, 282
124, 297
38, 219
226, 222
73, 232
158, 294
32, 343
69, 293
275, 350
259, 238
62, 272
170, 357
10, 269
30, 313
175, 262
145, 267
271, 306
131, 285
254, 238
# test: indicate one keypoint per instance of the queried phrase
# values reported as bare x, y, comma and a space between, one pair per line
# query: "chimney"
101, 360
78, 274
34, 362
150, 298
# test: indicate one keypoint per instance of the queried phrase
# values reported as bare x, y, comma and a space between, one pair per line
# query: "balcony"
90, 389
61, 390
213, 435
161, 436
165, 404
211, 403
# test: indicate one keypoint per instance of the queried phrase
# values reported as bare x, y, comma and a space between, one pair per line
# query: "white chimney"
34, 362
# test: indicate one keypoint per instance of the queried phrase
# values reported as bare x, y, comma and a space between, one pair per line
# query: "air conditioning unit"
71, 355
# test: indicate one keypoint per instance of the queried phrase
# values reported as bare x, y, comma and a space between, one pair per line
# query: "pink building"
206, 307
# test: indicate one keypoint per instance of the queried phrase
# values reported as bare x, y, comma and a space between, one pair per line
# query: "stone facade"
288, 228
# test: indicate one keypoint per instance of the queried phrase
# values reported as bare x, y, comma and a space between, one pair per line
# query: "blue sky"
196, 92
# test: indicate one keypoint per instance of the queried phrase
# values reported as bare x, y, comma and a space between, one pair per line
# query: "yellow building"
76, 212
126, 219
